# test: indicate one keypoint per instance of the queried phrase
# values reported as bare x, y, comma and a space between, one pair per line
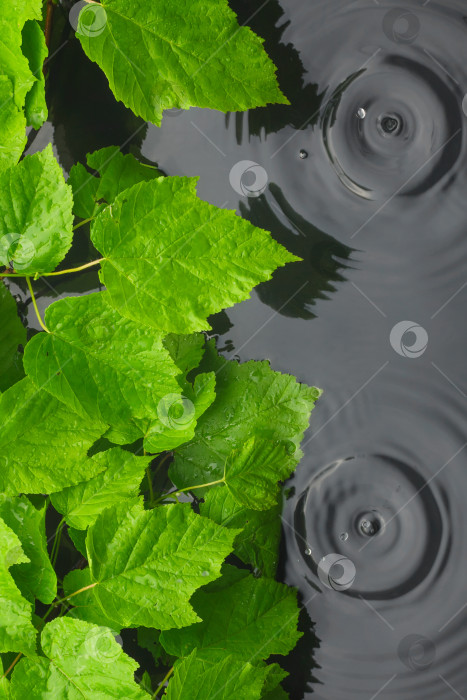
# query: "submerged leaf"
146, 564
184, 260
35, 214
194, 54
81, 661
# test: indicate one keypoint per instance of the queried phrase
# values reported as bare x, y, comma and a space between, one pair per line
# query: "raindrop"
303, 154
361, 113
344, 536
308, 551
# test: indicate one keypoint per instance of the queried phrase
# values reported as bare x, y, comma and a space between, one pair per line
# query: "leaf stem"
13, 664
72, 269
83, 222
163, 682
81, 590
56, 544
28, 280
189, 488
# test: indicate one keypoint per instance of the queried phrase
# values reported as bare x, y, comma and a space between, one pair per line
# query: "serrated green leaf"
199, 679
146, 564
201, 260
119, 479
35, 50
43, 444
112, 370
195, 55
258, 542
35, 214
35, 578
81, 661
251, 618
251, 400
117, 172
17, 632
253, 470
12, 334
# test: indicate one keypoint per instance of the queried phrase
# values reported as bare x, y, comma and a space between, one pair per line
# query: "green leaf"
35, 50
13, 121
110, 368
198, 679
185, 350
88, 608
253, 470
117, 172
36, 577
251, 400
249, 617
179, 414
84, 187
43, 444
35, 214
149, 639
12, 334
81, 661
258, 542
4, 685
17, 632
195, 54
78, 537
146, 564
201, 260
119, 479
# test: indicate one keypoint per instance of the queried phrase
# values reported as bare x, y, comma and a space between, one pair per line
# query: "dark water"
364, 176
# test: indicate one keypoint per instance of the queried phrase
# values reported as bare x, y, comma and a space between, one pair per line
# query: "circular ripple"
409, 136
392, 520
